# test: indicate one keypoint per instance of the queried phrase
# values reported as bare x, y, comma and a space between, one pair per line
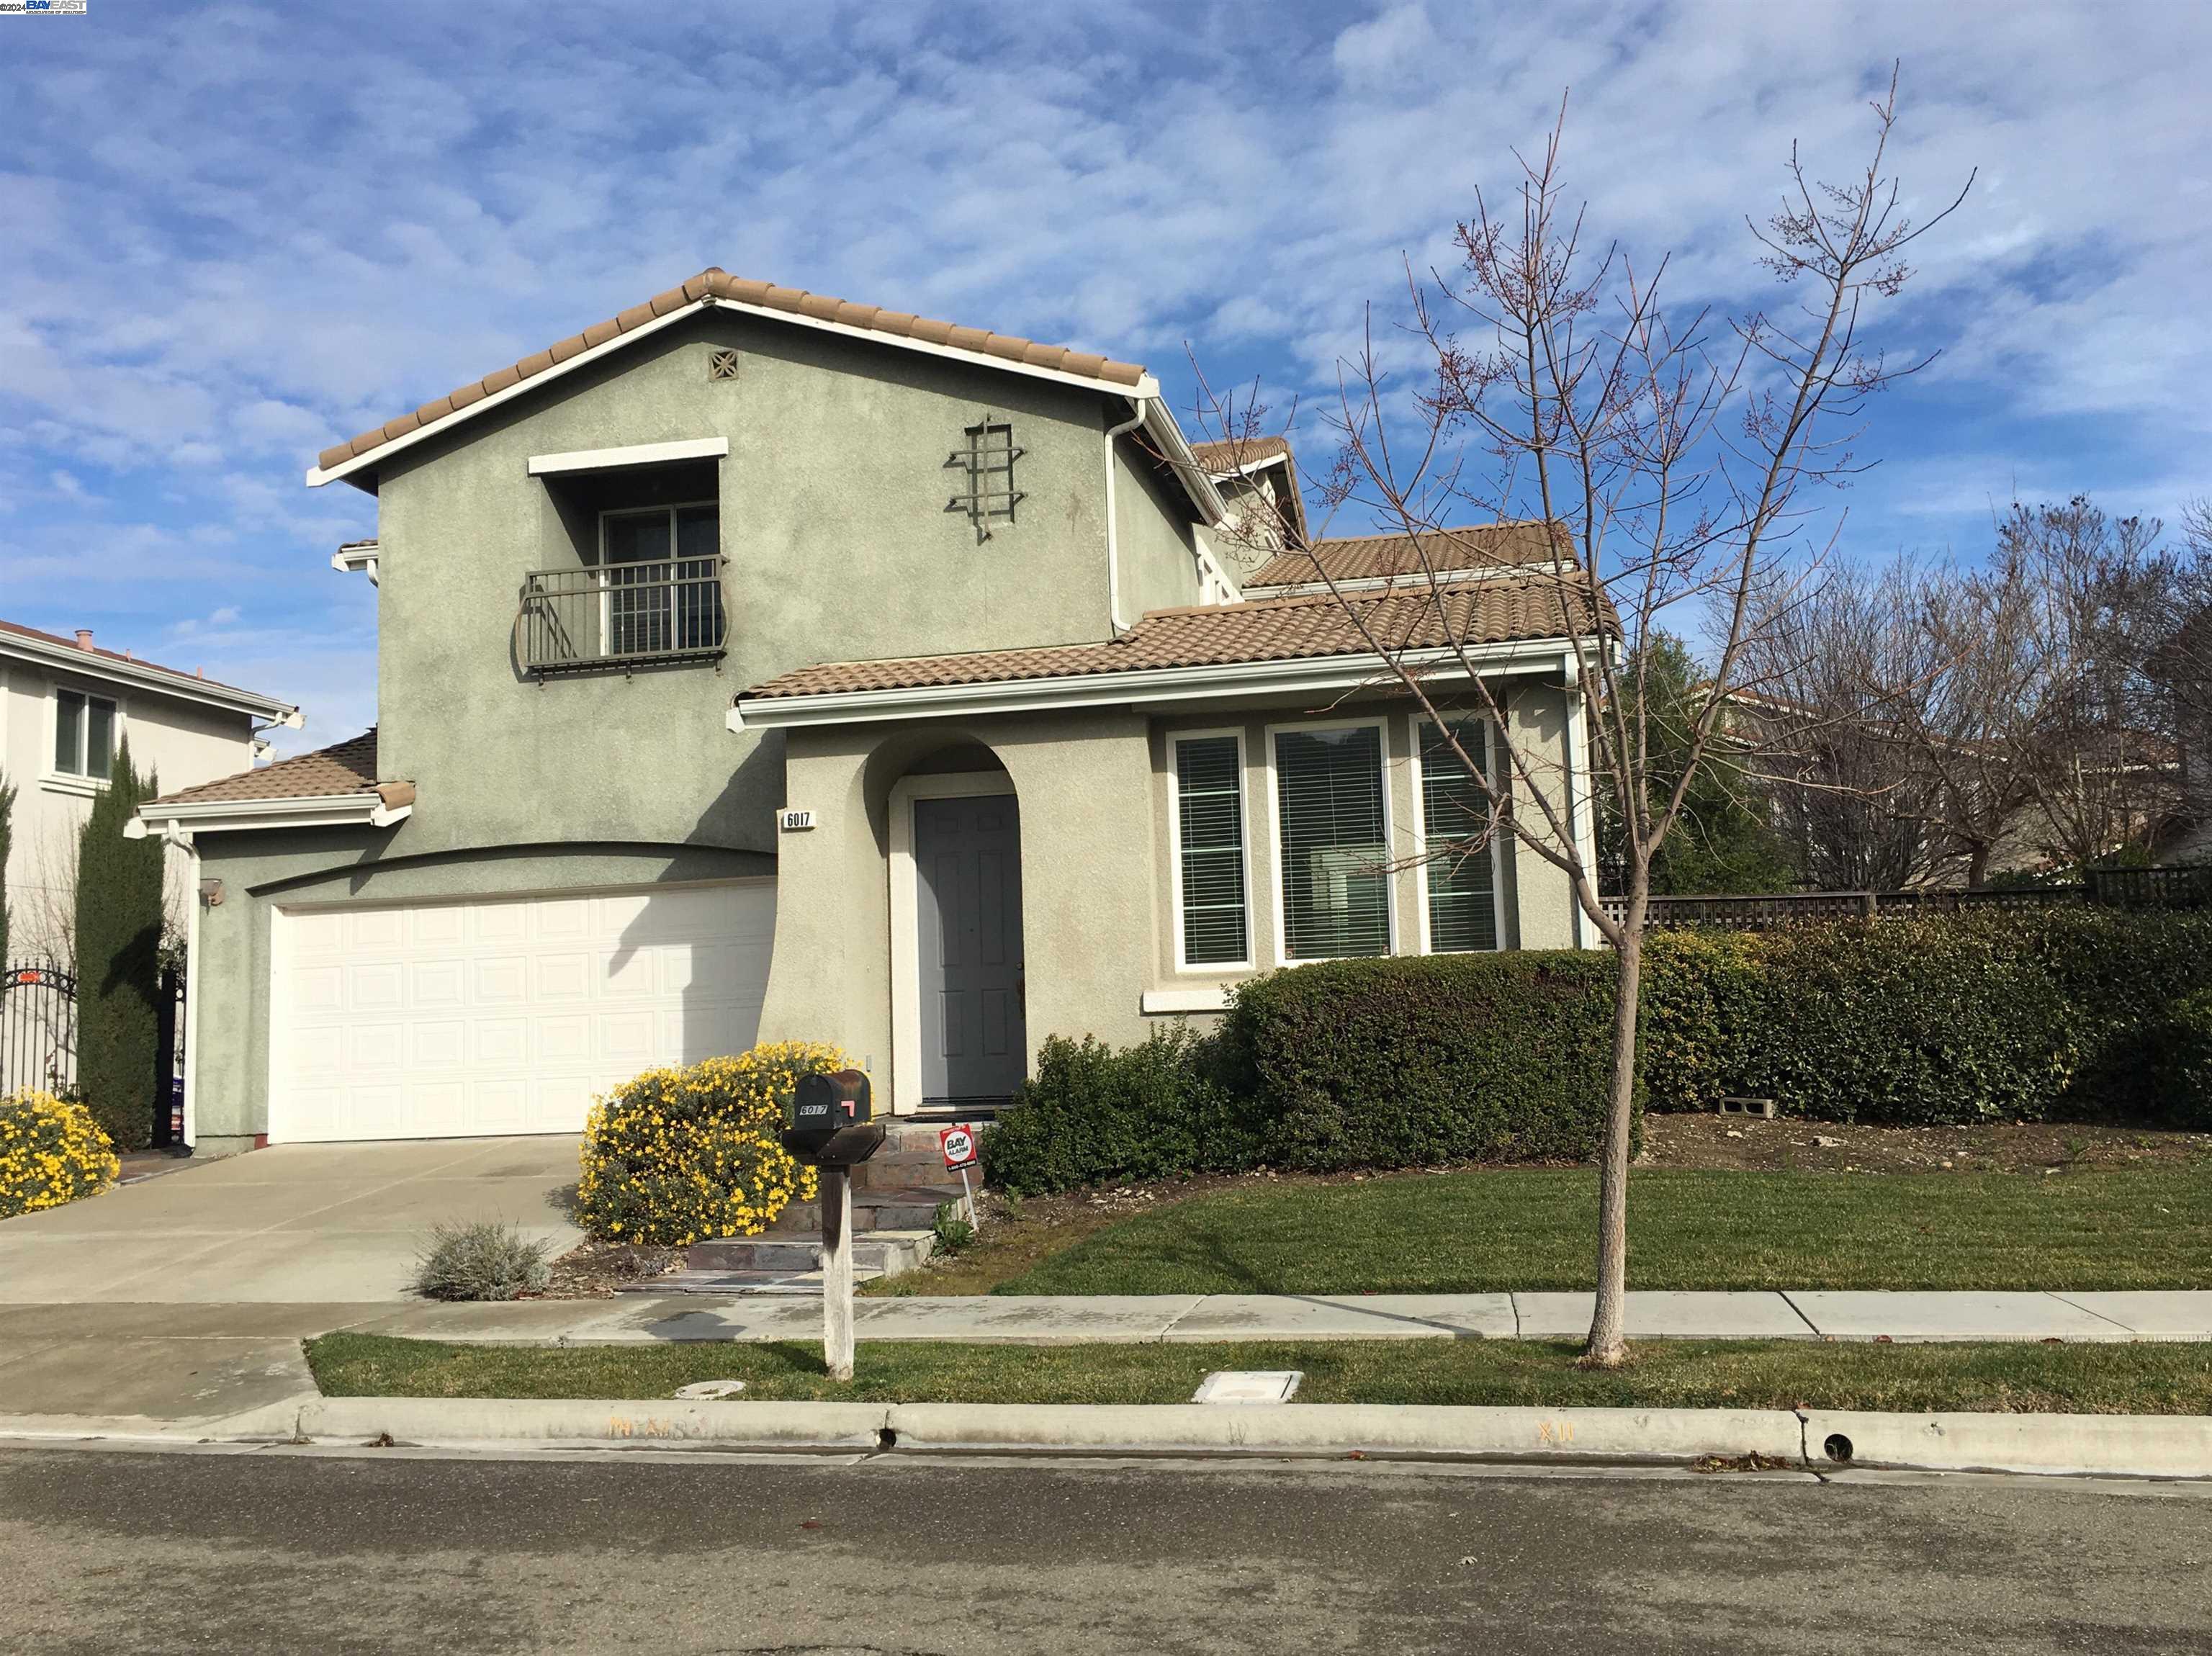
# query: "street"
103, 1550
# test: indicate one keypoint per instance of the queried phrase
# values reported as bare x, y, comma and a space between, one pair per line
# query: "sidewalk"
1189, 1317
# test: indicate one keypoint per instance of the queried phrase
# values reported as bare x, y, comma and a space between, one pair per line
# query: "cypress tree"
119, 954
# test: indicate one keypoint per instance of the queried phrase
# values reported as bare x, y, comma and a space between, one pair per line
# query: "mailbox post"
833, 1129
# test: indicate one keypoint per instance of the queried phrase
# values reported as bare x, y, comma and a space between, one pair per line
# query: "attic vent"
988, 461
722, 365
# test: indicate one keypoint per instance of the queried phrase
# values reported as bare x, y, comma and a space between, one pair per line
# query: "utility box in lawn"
832, 1120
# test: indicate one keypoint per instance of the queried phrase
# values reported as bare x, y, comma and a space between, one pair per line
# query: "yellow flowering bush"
51, 1151
677, 1157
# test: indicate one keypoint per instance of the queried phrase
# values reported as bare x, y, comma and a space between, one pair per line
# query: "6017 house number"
791, 821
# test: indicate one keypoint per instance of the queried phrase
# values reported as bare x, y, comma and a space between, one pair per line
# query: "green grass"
2140, 1378
1475, 1232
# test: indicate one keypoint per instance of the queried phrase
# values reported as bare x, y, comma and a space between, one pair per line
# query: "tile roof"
1270, 629
717, 283
348, 768
1367, 557
98, 654
1224, 457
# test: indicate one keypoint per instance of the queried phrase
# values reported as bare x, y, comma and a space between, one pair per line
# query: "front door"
967, 913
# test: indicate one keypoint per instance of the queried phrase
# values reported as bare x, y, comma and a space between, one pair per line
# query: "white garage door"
504, 1016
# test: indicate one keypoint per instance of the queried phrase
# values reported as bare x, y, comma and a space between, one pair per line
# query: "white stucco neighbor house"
66, 705
755, 664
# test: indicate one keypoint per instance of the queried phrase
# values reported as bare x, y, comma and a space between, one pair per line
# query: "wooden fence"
2107, 888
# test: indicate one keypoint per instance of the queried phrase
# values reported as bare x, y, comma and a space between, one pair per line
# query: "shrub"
51, 1151
118, 960
954, 1231
677, 1157
1415, 1060
1949, 1019
488, 1259
2180, 1090
1152, 1110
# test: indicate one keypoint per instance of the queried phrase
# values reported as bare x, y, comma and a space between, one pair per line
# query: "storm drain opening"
1838, 1447
886, 1439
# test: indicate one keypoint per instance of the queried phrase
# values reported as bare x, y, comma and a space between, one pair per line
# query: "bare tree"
1672, 452
1839, 680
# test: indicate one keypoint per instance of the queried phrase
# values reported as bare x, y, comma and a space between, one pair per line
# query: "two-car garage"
504, 1015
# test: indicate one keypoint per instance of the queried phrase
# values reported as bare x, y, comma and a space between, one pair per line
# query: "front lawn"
1534, 1228
2138, 1378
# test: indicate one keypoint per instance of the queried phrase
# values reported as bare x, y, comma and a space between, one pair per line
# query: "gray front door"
968, 867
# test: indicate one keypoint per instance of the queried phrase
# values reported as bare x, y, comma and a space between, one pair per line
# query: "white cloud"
238, 232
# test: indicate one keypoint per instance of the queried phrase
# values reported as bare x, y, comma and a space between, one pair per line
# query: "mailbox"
831, 1116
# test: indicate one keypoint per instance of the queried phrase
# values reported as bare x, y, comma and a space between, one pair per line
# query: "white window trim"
905, 919
1415, 724
606, 591
77, 782
1381, 724
637, 454
1212, 968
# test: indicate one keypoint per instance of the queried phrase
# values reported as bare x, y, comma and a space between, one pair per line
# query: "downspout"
1572, 744
1114, 435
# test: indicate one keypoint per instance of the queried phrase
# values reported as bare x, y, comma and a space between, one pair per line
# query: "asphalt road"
297, 1551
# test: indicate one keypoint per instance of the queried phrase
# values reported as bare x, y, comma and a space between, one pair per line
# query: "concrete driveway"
295, 1224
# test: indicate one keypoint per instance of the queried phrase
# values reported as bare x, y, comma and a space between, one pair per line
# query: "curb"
1819, 1440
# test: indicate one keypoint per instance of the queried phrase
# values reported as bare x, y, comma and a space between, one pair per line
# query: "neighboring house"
756, 666
66, 705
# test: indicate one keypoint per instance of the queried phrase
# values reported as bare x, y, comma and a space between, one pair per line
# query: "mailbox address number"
792, 821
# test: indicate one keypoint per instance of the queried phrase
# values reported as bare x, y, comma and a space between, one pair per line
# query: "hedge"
2074, 1014
2058, 1014
1350, 1063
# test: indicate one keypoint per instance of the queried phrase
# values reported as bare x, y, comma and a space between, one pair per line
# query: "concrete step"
895, 1207
882, 1251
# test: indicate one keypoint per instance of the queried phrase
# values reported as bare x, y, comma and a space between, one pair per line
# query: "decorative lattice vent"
722, 365
986, 461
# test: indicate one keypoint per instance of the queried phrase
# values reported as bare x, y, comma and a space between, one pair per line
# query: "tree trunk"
1607, 1347
1978, 865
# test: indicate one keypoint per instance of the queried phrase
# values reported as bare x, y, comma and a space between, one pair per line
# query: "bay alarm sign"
959, 1144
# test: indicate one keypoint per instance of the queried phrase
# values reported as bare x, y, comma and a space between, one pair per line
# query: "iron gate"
38, 1028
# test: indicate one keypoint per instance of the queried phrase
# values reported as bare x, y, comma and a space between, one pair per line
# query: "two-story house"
758, 665
66, 706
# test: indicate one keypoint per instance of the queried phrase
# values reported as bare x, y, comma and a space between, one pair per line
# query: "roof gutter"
1160, 684
178, 821
144, 676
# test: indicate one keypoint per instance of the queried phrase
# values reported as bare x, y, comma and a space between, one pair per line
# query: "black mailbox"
832, 1124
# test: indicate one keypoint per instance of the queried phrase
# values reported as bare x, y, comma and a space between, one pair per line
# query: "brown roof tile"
718, 284
186, 680
1370, 557
1227, 456
1270, 629
1363, 558
348, 768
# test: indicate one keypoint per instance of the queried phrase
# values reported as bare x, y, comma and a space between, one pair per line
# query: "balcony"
621, 615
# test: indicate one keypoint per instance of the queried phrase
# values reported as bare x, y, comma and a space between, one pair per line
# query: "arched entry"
960, 1034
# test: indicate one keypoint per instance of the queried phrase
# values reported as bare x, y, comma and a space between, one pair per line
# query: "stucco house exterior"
758, 665
66, 705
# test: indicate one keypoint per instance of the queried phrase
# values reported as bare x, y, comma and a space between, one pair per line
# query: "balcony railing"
620, 615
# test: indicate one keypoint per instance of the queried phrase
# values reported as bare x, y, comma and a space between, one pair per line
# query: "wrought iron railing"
619, 614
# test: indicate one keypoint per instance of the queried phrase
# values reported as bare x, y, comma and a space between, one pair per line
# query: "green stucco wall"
839, 546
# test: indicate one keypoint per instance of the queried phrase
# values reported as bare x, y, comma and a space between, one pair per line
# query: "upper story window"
1333, 840
653, 592
987, 493
84, 734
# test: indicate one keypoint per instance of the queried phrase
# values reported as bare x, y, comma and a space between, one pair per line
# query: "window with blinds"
1332, 848
1459, 869
1210, 830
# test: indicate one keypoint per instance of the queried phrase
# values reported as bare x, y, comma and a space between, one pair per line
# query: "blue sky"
230, 234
